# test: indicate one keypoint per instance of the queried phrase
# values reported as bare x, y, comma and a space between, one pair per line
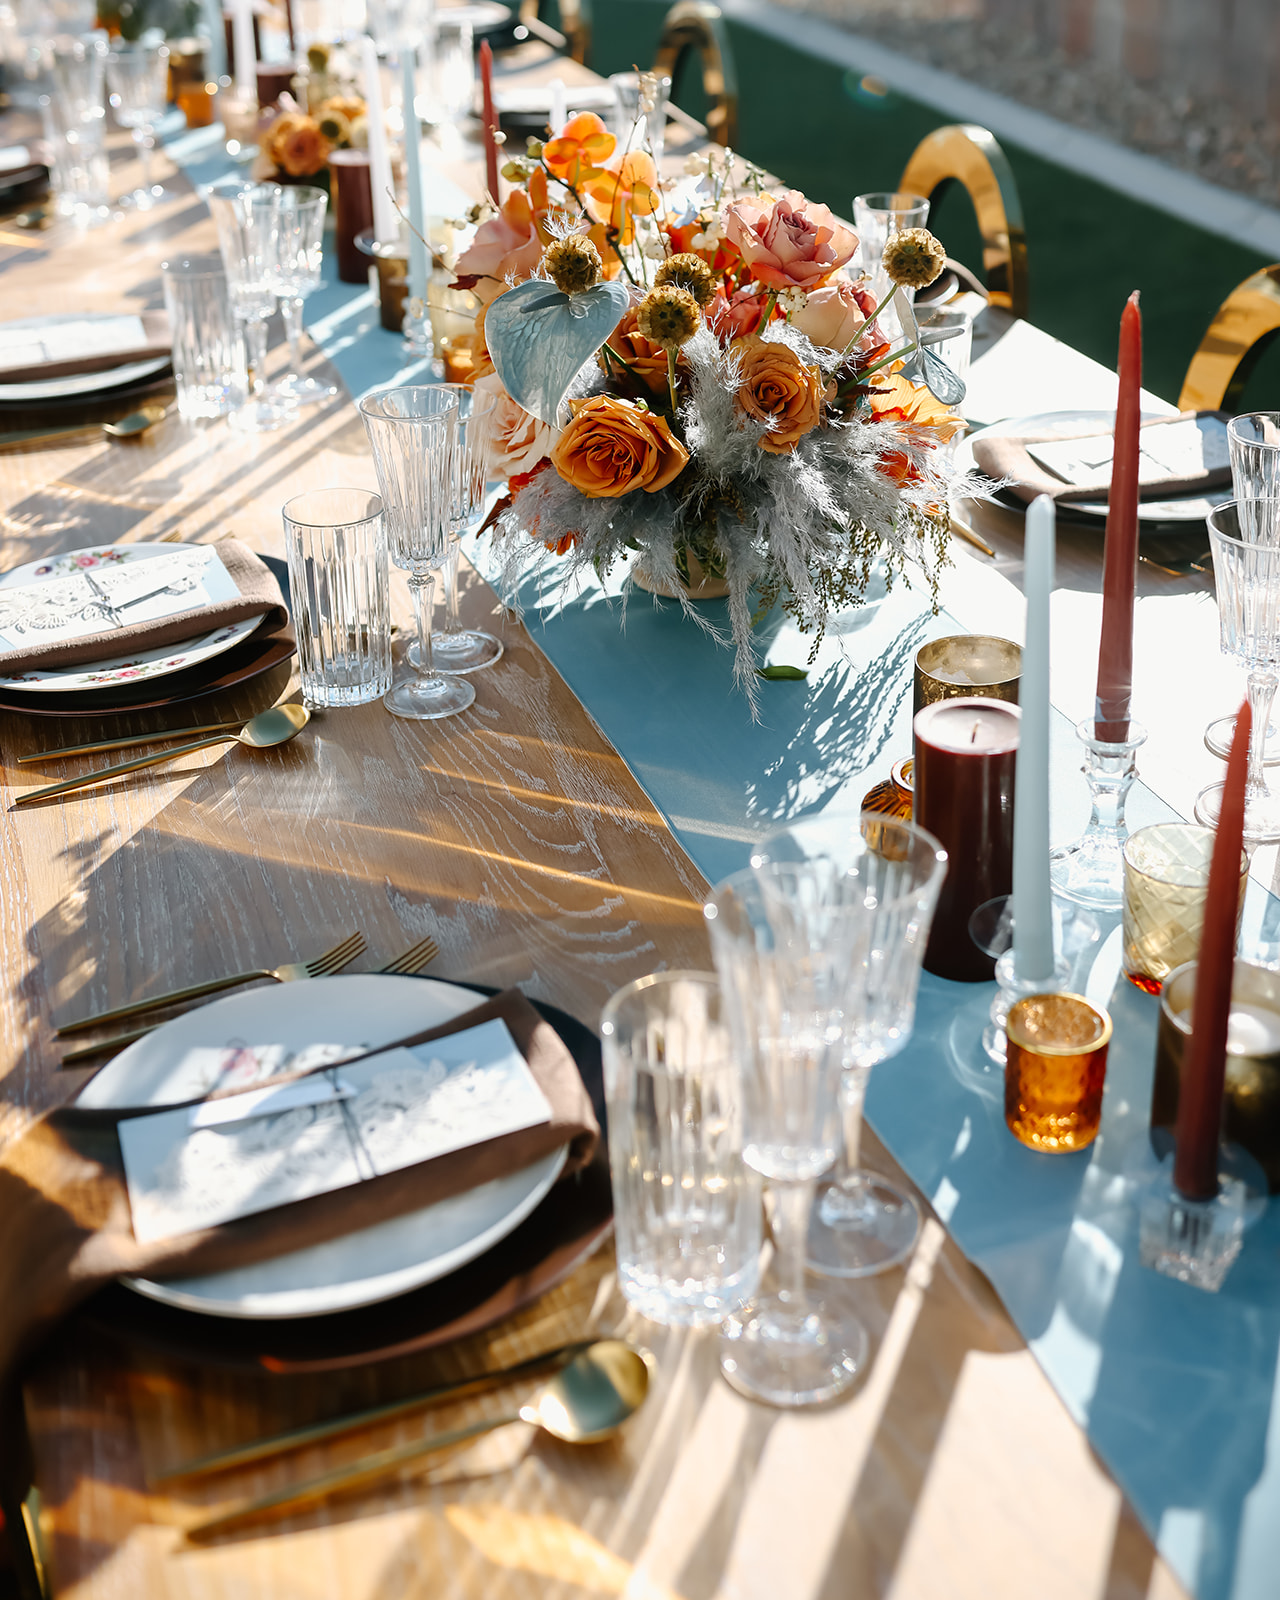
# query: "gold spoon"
586, 1401
146, 416
262, 732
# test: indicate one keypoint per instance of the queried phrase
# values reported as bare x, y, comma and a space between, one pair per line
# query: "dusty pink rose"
507, 245
833, 315
738, 315
515, 442
790, 242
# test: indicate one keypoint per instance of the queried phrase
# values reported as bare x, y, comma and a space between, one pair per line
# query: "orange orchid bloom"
894, 398
624, 190
580, 149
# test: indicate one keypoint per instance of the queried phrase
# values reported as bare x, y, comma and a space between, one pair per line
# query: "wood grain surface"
517, 837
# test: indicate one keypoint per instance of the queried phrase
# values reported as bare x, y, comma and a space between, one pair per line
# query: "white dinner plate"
1065, 424
537, 98
72, 385
359, 1268
156, 663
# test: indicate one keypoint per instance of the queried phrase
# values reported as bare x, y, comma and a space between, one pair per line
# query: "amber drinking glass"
1055, 1071
1166, 881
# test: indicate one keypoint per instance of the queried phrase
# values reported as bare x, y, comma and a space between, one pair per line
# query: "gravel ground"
1199, 133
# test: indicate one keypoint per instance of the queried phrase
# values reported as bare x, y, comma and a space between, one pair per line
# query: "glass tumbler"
138, 76
641, 97
337, 553
1254, 444
76, 137
1166, 882
687, 1209
208, 357
875, 218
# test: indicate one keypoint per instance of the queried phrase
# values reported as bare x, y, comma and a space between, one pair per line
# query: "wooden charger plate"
571, 1223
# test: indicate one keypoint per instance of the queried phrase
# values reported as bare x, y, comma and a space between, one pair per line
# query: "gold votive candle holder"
1251, 1101
964, 665
1166, 882
453, 326
1055, 1069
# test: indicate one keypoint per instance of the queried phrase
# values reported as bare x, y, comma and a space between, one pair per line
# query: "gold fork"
404, 965
320, 967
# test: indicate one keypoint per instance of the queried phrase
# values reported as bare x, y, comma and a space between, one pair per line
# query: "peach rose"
647, 360
778, 387
789, 242
508, 244
612, 448
515, 442
740, 314
295, 144
833, 315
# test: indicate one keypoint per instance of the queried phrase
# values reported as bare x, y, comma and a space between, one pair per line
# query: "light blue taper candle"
413, 162
1032, 913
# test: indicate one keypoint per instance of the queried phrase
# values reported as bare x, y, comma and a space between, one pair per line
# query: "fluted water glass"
413, 434
246, 216
138, 76
779, 939
299, 240
884, 875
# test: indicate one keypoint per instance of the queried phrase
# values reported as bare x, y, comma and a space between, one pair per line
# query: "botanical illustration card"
193, 1167
96, 599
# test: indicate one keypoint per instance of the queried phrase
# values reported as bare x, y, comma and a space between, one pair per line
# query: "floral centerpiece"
298, 142
703, 384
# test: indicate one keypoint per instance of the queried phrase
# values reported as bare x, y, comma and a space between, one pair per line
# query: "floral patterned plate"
157, 663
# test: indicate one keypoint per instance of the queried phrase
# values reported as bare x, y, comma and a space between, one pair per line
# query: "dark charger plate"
571, 1223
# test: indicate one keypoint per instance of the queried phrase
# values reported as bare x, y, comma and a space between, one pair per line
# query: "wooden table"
517, 837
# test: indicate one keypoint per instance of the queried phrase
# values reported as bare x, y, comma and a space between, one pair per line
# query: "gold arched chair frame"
964, 153
575, 24
698, 25
1245, 324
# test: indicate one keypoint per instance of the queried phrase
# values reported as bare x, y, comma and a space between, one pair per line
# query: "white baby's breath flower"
696, 164
702, 241
654, 249
499, 138
793, 299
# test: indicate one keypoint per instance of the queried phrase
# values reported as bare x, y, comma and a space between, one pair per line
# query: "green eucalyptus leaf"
779, 671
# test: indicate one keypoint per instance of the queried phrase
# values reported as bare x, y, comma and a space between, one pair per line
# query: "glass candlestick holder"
991, 929
1092, 869
1195, 1241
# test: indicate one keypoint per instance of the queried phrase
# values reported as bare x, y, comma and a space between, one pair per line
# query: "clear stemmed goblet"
780, 935
455, 648
1254, 443
413, 435
1247, 578
299, 238
246, 216
138, 75
890, 872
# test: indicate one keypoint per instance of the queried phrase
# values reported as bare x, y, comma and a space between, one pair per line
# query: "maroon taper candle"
1199, 1127
965, 753
1120, 551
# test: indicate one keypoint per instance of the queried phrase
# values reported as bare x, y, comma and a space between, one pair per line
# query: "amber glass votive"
392, 263
453, 327
1251, 1102
967, 665
893, 796
1166, 881
1054, 1071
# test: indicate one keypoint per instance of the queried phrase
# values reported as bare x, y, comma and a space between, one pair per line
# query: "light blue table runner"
1176, 1389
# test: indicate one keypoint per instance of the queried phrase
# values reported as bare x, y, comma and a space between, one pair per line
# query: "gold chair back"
1245, 324
968, 154
575, 24
699, 25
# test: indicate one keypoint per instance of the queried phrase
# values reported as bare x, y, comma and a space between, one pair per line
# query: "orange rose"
612, 448
777, 387
647, 360
295, 144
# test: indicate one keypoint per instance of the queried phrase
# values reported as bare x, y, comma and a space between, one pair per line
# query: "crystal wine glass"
295, 273
455, 648
780, 938
1254, 444
413, 433
1247, 578
889, 872
138, 76
246, 216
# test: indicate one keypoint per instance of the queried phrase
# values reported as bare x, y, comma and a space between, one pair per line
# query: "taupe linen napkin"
259, 596
1006, 457
156, 341
64, 1208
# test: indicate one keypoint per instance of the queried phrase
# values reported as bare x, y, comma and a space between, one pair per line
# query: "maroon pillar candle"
965, 751
351, 195
273, 79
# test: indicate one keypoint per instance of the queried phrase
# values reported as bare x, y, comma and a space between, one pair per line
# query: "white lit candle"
246, 55
386, 225
1032, 911
413, 160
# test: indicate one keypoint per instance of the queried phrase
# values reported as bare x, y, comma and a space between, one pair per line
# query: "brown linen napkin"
259, 597
1006, 457
64, 1208
157, 341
